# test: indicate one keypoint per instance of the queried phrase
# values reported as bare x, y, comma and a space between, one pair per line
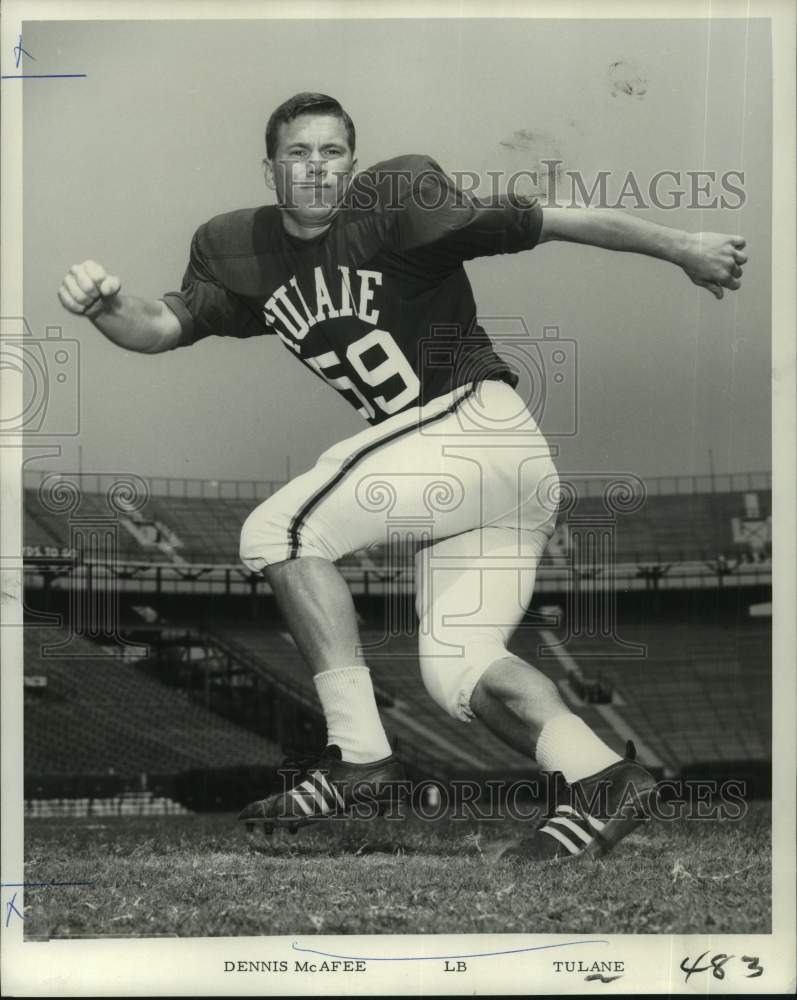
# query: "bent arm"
710, 260
147, 326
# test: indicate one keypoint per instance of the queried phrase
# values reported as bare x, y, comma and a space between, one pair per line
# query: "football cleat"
603, 809
326, 786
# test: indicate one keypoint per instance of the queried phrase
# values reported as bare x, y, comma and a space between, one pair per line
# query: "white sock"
567, 744
353, 723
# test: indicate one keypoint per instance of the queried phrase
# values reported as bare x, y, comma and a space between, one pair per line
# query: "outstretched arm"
711, 260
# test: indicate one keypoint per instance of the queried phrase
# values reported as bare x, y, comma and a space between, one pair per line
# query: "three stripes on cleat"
316, 789
574, 831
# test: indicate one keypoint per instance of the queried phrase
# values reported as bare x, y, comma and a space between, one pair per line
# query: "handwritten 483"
716, 964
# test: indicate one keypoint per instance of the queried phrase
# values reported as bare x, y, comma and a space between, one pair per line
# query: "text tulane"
589, 966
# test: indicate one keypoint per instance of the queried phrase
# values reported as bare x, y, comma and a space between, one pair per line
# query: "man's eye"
297, 154
332, 152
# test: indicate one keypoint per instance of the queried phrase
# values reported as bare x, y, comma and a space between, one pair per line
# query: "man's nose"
316, 167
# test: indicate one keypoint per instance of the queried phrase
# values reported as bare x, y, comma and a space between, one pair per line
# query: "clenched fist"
714, 261
85, 285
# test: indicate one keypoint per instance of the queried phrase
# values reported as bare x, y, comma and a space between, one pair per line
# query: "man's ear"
268, 174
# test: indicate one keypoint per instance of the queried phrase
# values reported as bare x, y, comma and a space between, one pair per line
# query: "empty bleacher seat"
109, 717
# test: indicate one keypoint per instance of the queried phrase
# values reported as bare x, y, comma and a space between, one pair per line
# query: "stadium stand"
37, 532
276, 654
701, 694
685, 527
101, 715
125, 804
667, 528
207, 529
43, 526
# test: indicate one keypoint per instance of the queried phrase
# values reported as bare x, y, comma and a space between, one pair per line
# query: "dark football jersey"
379, 305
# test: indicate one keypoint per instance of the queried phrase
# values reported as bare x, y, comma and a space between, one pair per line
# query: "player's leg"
318, 608
357, 766
514, 688
316, 603
467, 617
357, 763
473, 590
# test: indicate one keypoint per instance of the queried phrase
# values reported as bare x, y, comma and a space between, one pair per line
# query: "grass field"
199, 876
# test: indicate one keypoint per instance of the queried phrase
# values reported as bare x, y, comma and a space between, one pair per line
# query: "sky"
166, 130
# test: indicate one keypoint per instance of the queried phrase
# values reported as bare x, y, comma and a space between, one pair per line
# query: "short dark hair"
305, 104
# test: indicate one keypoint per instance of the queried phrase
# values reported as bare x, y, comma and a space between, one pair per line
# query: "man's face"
312, 167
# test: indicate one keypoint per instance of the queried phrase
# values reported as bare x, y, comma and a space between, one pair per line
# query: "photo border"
125, 967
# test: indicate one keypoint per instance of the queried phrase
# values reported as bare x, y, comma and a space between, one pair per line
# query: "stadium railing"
196, 523
236, 489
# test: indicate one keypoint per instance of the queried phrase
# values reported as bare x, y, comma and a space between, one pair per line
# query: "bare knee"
521, 687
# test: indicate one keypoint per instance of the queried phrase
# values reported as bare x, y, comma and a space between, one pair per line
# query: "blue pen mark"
19, 51
11, 907
42, 76
442, 958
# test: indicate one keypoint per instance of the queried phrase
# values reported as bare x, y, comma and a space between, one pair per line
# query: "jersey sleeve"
454, 226
204, 306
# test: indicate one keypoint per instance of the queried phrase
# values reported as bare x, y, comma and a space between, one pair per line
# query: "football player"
361, 277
